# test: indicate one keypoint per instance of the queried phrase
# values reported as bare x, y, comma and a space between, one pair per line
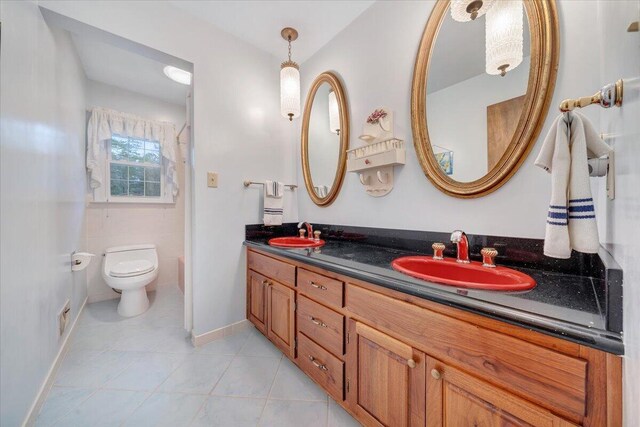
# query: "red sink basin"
295, 242
473, 275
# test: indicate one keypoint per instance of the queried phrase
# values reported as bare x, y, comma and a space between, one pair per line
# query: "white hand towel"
273, 202
274, 188
322, 190
571, 220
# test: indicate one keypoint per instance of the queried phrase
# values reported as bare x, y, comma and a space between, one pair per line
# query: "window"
135, 168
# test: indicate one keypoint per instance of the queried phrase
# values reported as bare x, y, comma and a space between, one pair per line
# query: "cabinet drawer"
543, 376
326, 369
321, 288
321, 324
272, 268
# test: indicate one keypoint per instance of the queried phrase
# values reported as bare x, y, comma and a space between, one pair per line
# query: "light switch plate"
212, 179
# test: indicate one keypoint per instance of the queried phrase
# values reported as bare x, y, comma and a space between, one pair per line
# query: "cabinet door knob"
411, 363
436, 374
265, 282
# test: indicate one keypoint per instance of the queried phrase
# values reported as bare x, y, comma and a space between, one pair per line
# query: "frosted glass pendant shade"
334, 114
469, 10
290, 90
504, 36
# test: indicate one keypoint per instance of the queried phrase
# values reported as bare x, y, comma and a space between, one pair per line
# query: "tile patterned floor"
143, 371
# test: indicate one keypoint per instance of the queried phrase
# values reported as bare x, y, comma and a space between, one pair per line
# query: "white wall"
374, 57
238, 132
41, 197
619, 219
118, 224
104, 95
457, 117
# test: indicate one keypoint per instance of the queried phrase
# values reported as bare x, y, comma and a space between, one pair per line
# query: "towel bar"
248, 183
606, 97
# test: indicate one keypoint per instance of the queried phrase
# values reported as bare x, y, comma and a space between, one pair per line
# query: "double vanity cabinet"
392, 359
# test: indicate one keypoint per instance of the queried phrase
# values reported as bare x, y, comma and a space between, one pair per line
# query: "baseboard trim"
32, 415
207, 337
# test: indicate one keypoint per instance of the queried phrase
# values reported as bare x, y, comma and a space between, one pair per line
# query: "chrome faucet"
309, 229
460, 239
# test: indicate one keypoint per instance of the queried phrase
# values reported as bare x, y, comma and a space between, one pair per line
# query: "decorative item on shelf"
504, 37
289, 80
469, 10
374, 162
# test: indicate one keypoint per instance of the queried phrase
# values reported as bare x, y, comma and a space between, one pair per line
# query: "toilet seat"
131, 268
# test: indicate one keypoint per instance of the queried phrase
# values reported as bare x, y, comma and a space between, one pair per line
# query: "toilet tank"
133, 252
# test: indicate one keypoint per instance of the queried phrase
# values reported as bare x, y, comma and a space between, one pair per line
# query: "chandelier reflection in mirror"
504, 36
334, 114
469, 10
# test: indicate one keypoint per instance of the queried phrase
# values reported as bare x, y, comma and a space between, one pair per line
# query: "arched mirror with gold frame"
472, 126
325, 138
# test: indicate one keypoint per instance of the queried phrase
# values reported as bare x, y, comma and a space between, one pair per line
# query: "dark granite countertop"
570, 300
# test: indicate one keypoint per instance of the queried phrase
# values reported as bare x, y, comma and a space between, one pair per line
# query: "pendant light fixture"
334, 113
504, 36
289, 80
469, 10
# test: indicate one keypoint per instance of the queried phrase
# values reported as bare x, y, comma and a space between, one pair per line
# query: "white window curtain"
104, 123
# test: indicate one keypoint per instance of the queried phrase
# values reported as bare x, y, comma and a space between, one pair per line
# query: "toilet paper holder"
80, 260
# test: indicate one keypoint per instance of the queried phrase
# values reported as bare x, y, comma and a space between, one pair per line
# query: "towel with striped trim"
273, 203
571, 218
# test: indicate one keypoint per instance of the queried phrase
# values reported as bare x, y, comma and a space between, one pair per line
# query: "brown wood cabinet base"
391, 359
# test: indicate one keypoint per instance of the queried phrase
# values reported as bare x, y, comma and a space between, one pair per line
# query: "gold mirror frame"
545, 49
334, 82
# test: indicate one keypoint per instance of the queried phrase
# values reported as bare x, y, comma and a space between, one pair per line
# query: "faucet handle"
488, 254
302, 232
438, 250
316, 235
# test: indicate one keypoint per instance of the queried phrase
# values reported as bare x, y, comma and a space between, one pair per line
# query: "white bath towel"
571, 220
273, 202
321, 190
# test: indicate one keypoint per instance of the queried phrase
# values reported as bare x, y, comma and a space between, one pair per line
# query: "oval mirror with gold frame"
325, 138
472, 126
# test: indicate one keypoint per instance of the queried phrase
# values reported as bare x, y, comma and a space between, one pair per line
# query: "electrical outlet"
212, 179
63, 317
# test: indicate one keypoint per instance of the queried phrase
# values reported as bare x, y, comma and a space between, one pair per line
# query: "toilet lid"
131, 268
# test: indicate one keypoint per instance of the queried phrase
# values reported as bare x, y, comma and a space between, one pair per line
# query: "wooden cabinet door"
281, 317
385, 378
455, 399
256, 300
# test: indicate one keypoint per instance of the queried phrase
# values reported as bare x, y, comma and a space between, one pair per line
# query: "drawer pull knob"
321, 287
411, 363
318, 365
318, 322
436, 374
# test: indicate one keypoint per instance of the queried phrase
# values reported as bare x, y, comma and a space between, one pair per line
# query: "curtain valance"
105, 122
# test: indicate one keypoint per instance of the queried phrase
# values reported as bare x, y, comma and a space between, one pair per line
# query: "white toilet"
130, 269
